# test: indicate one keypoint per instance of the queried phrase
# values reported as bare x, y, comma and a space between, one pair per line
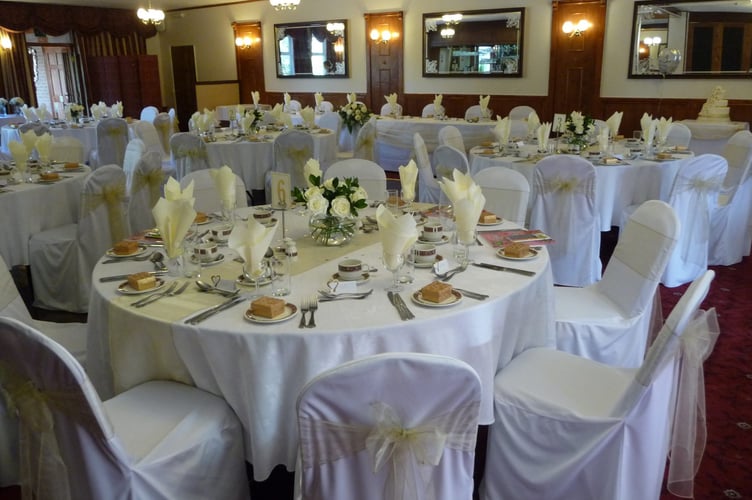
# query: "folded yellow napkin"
255, 97
117, 109
663, 126
287, 98
318, 97
408, 174
44, 144
648, 126
98, 110
352, 97
246, 122
251, 239
173, 219
533, 122
311, 168
467, 202
19, 154
29, 139
502, 129
397, 234
43, 114
543, 132
28, 113
483, 101
614, 122
309, 116
437, 98
172, 191
276, 112
224, 182
391, 99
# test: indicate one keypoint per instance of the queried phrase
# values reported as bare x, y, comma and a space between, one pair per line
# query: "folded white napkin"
117, 109
251, 239
172, 191
29, 139
437, 98
311, 167
408, 174
352, 97
603, 139
28, 113
287, 98
318, 98
483, 101
43, 114
309, 116
663, 126
44, 145
276, 112
286, 119
173, 219
542, 134
206, 120
468, 202
19, 154
502, 129
533, 122
397, 234
255, 97
614, 122
98, 110
238, 113
647, 125
391, 99
246, 121
224, 182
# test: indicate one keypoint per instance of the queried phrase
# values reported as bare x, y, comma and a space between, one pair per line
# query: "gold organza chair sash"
408, 453
42, 469
189, 152
152, 179
564, 185
112, 196
298, 155
699, 190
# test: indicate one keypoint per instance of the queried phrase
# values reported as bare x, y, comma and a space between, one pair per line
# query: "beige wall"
209, 30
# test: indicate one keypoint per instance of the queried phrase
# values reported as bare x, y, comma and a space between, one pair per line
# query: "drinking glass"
255, 274
393, 263
392, 201
280, 270
408, 197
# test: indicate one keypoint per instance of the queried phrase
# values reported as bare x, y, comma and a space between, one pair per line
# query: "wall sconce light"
382, 36
573, 29
656, 40
339, 46
244, 42
447, 32
151, 16
5, 43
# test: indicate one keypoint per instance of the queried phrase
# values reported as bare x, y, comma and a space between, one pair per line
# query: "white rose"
578, 129
312, 192
340, 206
329, 184
318, 204
359, 194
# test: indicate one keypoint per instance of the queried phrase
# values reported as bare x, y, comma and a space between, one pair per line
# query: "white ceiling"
135, 4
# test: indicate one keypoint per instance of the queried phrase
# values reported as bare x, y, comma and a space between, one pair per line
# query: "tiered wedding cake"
716, 107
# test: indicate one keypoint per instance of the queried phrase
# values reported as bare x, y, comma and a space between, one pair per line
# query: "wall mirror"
473, 43
315, 49
712, 37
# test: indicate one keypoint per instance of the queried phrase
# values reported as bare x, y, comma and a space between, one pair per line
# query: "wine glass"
393, 263
408, 196
255, 275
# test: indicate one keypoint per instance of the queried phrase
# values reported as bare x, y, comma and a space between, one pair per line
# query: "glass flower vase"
332, 230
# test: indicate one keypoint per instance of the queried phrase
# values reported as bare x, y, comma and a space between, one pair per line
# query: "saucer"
218, 259
363, 278
290, 311
456, 298
444, 239
426, 265
126, 289
265, 280
111, 253
531, 255
499, 220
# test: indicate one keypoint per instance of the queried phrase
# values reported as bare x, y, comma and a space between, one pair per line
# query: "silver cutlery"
170, 293
303, 310
399, 304
312, 306
118, 277
471, 294
198, 318
154, 296
327, 296
449, 274
503, 268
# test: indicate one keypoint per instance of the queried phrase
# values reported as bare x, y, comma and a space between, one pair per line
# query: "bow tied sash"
113, 197
189, 152
152, 180
563, 185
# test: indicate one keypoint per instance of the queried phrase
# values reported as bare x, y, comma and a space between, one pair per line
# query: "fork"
169, 293
304, 308
155, 296
313, 304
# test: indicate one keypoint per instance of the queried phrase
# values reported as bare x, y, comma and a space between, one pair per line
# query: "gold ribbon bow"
112, 196
299, 155
153, 179
189, 152
561, 185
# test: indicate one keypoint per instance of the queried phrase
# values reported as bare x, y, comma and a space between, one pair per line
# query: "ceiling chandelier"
284, 4
447, 32
151, 16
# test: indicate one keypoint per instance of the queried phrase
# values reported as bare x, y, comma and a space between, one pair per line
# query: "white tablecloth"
252, 159
260, 369
616, 186
29, 208
710, 137
11, 119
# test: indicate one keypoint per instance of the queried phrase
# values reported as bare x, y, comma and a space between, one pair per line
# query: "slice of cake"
437, 292
267, 307
142, 281
125, 247
49, 176
487, 217
516, 250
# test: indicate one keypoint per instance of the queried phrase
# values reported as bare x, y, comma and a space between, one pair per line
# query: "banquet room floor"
726, 468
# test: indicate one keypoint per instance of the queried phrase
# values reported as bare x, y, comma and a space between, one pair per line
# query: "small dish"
290, 311
363, 278
126, 289
217, 260
444, 239
532, 253
499, 220
456, 298
111, 253
241, 280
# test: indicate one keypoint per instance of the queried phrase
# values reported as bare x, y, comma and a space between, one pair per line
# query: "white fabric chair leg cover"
428, 187
400, 405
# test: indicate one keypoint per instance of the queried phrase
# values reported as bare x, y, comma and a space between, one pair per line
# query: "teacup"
424, 252
263, 215
206, 251
221, 233
350, 269
433, 231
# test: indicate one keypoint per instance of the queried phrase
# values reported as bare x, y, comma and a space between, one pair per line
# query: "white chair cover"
163, 123
451, 136
292, 149
567, 427
610, 320
67, 149
332, 121
147, 132
148, 113
159, 440
112, 138
474, 112
564, 208
693, 197
430, 111
206, 194
446, 159
365, 141
731, 220
188, 154
520, 112
392, 426
145, 190
517, 130
63, 258
428, 187
325, 107
134, 151
600, 125
371, 176
507, 192
678, 135
389, 110
292, 107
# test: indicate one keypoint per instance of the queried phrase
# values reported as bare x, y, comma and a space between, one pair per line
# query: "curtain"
15, 66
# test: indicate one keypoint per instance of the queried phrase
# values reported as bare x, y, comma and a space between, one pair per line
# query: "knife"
401, 304
393, 299
502, 268
119, 277
198, 318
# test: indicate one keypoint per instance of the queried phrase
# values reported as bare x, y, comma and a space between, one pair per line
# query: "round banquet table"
26, 209
261, 368
252, 158
616, 186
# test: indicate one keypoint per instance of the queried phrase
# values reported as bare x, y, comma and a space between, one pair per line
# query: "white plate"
219, 258
363, 278
444, 239
499, 220
111, 253
126, 289
50, 181
533, 254
290, 311
265, 280
426, 265
456, 298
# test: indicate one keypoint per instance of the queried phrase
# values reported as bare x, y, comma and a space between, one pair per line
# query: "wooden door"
54, 63
184, 81
384, 60
250, 63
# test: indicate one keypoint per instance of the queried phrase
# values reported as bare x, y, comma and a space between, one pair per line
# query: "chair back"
388, 423
517, 130
474, 112
678, 135
188, 153
206, 193
693, 198
147, 132
520, 112
293, 106
148, 113
564, 208
292, 149
145, 188
326, 107
112, 139
738, 154
66, 148
640, 257
365, 142
371, 176
429, 190
446, 159
507, 193
164, 126
391, 110
430, 111
11, 302
332, 121
451, 136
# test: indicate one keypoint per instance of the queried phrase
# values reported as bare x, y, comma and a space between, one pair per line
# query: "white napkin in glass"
246, 121
255, 97
19, 154
172, 191
43, 114
614, 122
408, 174
238, 113
173, 218
98, 110
224, 182
542, 133
437, 98
309, 116
276, 112
286, 119
28, 113
318, 98
117, 109
646, 125
468, 202
397, 234
663, 126
44, 145
391, 99
483, 101
533, 122
29, 139
502, 129
251, 239
287, 99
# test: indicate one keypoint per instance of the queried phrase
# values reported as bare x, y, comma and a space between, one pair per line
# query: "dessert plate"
218, 259
499, 220
531, 255
456, 298
111, 253
126, 289
444, 239
290, 311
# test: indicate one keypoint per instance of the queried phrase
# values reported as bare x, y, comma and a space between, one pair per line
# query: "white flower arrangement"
354, 113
